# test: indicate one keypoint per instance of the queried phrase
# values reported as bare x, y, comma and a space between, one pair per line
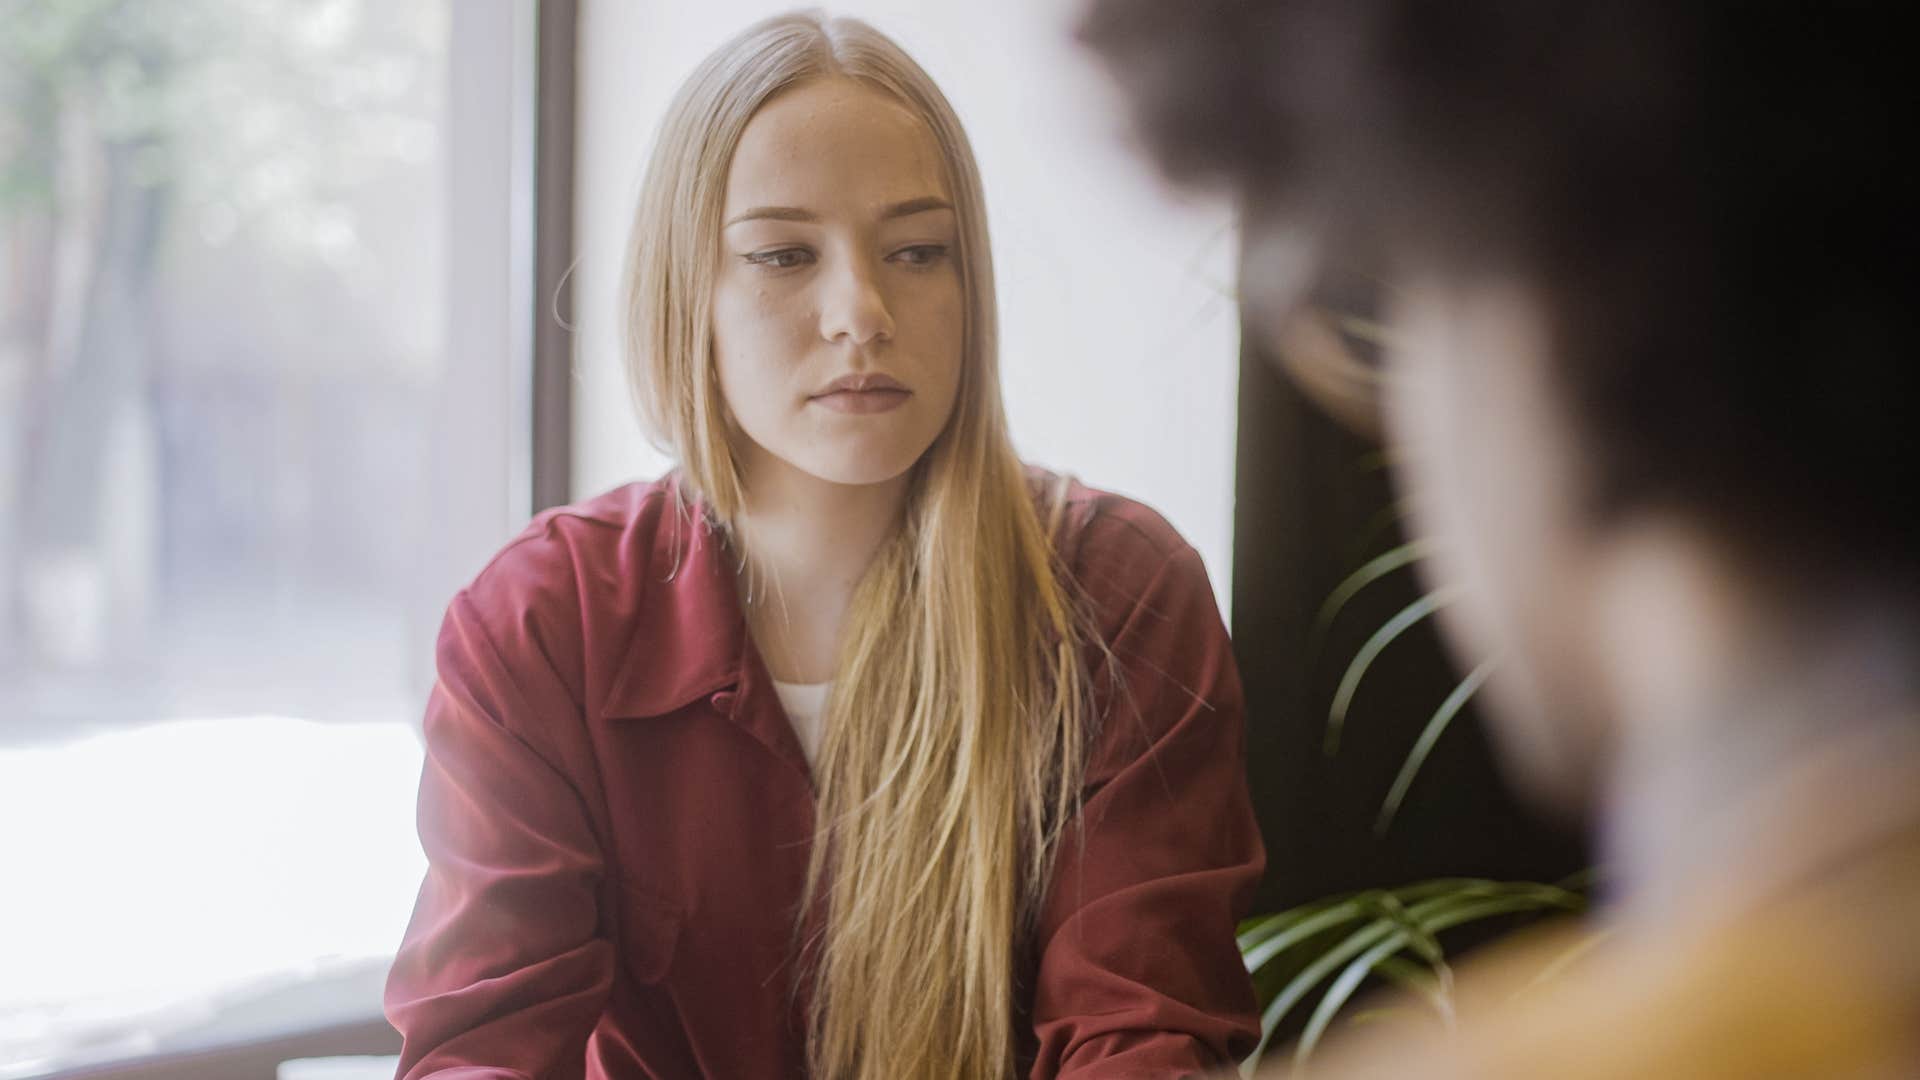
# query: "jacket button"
723, 701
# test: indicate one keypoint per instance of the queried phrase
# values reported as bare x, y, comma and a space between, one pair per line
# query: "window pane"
221, 352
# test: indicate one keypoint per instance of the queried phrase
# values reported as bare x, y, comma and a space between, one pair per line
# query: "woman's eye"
921, 254
781, 258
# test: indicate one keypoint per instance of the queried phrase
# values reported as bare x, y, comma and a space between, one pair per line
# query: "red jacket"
616, 814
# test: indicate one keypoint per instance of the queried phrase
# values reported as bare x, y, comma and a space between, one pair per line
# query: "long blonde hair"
956, 731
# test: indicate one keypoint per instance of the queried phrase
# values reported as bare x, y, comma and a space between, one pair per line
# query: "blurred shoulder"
1825, 984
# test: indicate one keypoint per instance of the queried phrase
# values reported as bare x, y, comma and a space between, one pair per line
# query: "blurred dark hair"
1709, 196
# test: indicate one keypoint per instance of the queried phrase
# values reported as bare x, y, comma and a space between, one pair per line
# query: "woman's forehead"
835, 147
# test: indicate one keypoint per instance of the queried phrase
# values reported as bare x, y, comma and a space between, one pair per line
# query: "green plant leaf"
1300, 931
1375, 569
1298, 987
1376, 526
1582, 881
1429, 736
1343, 988
1424, 943
1422, 982
1263, 938
1445, 894
1435, 913
1261, 928
1413, 915
1441, 915
1369, 652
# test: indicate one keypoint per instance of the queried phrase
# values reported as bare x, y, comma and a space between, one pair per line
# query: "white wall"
1118, 335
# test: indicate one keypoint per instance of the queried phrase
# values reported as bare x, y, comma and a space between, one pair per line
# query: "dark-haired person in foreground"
1651, 392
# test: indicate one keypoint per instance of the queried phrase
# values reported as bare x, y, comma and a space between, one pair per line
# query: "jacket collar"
689, 636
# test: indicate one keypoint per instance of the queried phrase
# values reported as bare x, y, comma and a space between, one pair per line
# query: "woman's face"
837, 307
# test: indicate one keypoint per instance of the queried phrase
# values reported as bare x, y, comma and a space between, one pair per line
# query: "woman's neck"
1761, 741
806, 543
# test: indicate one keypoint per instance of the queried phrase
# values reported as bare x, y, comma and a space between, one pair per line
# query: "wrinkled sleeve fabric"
1139, 974
506, 965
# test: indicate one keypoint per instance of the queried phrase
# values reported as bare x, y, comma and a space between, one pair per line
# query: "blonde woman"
852, 748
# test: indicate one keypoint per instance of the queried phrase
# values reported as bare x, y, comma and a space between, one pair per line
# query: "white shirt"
805, 704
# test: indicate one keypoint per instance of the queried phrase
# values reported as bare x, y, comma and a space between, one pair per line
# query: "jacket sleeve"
506, 965
1139, 974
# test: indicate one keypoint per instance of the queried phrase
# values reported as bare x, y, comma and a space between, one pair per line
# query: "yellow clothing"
1822, 981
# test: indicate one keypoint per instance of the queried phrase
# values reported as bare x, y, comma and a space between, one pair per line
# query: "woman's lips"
877, 400
866, 392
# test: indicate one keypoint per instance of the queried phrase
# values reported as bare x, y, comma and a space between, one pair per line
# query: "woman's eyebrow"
915, 206
795, 213
772, 213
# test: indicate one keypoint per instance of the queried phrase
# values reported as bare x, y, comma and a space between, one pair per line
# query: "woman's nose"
854, 310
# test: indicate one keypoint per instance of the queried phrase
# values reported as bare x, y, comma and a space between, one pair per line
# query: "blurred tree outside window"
222, 326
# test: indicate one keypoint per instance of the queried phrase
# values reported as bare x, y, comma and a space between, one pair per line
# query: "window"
258, 420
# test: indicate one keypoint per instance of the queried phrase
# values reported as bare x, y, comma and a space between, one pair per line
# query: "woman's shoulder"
569, 595
1102, 529
575, 578
585, 543
1152, 611
1116, 549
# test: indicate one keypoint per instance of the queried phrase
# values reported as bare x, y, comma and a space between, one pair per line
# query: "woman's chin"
859, 467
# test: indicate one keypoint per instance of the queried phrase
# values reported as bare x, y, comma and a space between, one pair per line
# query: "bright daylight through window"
222, 326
